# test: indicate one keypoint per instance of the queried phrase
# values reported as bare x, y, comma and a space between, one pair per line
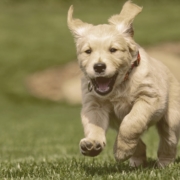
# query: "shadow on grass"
107, 168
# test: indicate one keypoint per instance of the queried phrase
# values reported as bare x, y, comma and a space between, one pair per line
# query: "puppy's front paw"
138, 161
90, 147
121, 155
124, 150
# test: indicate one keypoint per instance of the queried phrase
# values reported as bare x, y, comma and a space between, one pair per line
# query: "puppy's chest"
121, 107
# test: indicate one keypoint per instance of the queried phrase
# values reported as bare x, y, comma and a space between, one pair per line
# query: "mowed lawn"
38, 138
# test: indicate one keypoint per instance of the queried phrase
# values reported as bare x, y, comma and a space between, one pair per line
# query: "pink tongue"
103, 83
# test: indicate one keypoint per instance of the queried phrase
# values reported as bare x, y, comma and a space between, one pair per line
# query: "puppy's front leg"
95, 122
132, 127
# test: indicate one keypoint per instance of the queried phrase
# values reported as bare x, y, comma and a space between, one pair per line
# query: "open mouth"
104, 85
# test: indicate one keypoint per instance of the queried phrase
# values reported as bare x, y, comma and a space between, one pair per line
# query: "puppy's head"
105, 52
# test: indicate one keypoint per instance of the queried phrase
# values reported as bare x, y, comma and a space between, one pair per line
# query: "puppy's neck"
134, 64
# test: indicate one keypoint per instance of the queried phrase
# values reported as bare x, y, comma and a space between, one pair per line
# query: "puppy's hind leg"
139, 156
168, 129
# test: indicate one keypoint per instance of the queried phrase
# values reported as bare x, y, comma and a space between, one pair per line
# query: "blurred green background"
34, 36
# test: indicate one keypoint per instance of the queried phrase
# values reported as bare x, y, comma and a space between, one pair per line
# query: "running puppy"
121, 79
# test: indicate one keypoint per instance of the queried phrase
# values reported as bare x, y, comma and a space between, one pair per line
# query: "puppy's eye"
112, 50
88, 51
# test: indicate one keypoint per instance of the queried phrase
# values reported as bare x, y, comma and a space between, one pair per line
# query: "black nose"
99, 67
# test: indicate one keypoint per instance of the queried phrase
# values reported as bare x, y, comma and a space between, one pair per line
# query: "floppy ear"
76, 26
124, 20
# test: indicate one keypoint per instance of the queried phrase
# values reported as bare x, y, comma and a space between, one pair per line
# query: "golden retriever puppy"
120, 79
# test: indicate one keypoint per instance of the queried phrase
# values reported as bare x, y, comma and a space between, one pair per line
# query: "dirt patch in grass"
63, 83
56, 83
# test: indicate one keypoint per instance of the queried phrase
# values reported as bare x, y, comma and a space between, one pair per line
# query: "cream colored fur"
151, 95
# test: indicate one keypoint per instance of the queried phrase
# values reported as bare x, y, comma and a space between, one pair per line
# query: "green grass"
38, 138
73, 168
